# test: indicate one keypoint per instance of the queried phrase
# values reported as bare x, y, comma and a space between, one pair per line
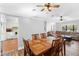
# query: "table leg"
64, 48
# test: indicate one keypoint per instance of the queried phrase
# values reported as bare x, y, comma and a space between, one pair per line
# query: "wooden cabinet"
10, 46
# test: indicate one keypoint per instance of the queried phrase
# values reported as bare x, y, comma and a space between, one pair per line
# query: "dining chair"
50, 51
43, 35
52, 48
58, 34
35, 36
60, 50
57, 47
27, 50
50, 34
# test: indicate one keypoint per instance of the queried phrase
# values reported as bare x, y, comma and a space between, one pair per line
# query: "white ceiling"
68, 10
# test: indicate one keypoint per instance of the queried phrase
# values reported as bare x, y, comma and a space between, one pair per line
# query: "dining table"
40, 46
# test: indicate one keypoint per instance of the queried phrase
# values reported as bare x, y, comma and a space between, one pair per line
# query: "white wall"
51, 26
28, 27
2, 27
11, 21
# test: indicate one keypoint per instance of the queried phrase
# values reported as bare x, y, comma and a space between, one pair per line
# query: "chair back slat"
26, 47
43, 35
57, 46
35, 36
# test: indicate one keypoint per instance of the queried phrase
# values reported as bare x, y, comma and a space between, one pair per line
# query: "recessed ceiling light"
34, 9
52, 15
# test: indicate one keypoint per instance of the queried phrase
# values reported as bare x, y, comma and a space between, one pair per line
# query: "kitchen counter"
10, 45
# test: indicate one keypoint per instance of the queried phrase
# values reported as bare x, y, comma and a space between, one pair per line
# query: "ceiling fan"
48, 6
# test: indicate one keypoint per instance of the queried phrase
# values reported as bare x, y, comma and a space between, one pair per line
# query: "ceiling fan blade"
56, 6
42, 10
39, 6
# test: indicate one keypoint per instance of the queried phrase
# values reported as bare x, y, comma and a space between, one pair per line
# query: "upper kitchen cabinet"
12, 26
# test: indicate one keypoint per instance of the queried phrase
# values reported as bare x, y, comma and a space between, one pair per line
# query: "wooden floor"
72, 49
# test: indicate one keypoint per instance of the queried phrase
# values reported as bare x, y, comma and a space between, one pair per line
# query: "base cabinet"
10, 47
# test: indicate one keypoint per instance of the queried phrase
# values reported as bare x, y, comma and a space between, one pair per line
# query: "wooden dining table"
38, 47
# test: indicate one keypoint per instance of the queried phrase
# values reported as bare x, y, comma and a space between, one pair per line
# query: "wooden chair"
60, 50
27, 50
43, 35
50, 34
58, 34
50, 51
57, 47
35, 36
